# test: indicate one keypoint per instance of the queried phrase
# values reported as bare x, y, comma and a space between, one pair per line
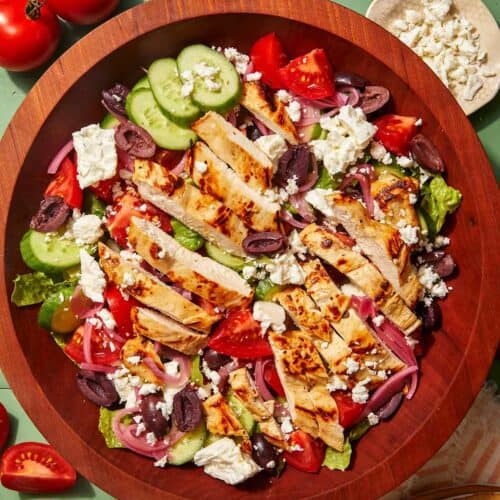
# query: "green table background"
13, 89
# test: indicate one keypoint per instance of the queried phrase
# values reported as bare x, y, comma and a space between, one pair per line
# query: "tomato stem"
33, 9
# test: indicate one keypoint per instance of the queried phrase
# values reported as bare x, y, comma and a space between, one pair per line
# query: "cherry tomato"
35, 468
66, 185
83, 11
120, 309
310, 458
309, 76
102, 352
268, 57
4, 425
131, 205
26, 41
395, 132
349, 411
240, 335
272, 380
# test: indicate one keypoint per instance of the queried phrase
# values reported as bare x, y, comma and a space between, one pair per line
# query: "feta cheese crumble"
317, 198
107, 319
284, 96
336, 384
352, 366
92, 278
434, 286
200, 166
239, 60
409, 234
269, 315
187, 78
378, 320
360, 393
253, 77
86, 230
294, 111
272, 145
285, 270
373, 419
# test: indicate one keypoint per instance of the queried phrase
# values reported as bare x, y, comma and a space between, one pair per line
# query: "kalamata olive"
263, 452
431, 316
443, 263
153, 418
215, 359
264, 242
115, 98
426, 154
387, 410
187, 412
96, 387
352, 93
374, 98
253, 133
431, 257
134, 140
51, 215
294, 163
346, 78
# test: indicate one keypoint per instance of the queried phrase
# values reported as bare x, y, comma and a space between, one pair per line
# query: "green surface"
13, 88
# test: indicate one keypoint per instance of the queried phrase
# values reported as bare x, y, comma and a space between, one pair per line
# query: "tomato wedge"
349, 411
104, 351
4, 425
309, 76
272, 379
104, 189
311, 455
66, 185
268, 57
395, 132
120, 309
35, 468
168, 158
240, 335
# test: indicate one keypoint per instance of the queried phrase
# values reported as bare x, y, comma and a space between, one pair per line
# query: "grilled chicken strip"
252, 166
215, 178
142, 348
152, 292
203, 276
272, 114
201, 212
326, 245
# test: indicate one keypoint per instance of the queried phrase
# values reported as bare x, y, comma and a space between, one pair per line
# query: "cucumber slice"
144, 111
93, 205
224, 258
221, 99
48, 253
244, 416
143, 83
266, 289
312, 132
196, 376
167, 89
211, 438
185, 449
109, 121
56, 314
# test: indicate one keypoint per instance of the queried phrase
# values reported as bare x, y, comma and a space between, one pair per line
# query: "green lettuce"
106, 427
196, 375
438, 200
359, 430
265, 289
336, 460
31, 288
186, 236
326, 181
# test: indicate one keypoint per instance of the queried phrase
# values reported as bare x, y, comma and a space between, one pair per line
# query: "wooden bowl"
67, 97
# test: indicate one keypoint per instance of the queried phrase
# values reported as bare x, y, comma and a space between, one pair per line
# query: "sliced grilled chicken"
133, 354
152, 292
381, 243
243, 387
203, 276
272, 114
303, 312
215, 178
164, 330
201, 212
304, 380
232, 146
323, 243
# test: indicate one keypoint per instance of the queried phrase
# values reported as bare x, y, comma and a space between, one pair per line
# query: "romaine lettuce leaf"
196, 375
31, 288
336, 460
186, 236
106, 427
326, 181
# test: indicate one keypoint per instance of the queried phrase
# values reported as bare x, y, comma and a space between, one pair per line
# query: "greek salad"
244, 259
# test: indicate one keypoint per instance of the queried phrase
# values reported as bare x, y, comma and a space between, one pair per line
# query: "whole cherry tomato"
83, 11
29, 34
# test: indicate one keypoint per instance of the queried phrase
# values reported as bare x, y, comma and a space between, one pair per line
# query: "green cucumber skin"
224, 258
230, 93
109, 121
50, 305
166, 86
37, 255
241, 412
144, 111
143, 83
185, 449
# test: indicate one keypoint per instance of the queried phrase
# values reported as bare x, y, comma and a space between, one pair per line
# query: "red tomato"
104, 189
35, 468
130, 205
310, 458
272, 380
102, 352
240, 335
309, 76
4, 425
268, 57
26, 41
395, 132
168, 158
349, 411
120, 309
83, 11
65, 185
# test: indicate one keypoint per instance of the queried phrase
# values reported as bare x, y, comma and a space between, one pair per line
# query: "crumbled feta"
134, 360
224, 460
107, 319
378, 320
200, 166
211, 375
472, 87
96, 153
269, 315
317, 198
254, 77
187, 78
377, 151
284, 269
211, 84
360, 393
412, 198
151, 438
92, 278
128, 279
409, 234
284, 96
352, 366
204, 70
167, 405
148, 389
294, 111
248, 272
162, 462
373, 419
336, 384
86, 229
131, 257
441, 241
419, 122
172, 368
404, 161
434, 286
202, 393
296, 246
239, 60
291, 186
272, 145
286, 425
140, 429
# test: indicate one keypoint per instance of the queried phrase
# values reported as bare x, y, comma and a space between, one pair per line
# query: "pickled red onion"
87, 342
290, 219
261, 127
260, 383
180, 167
94, 367
59, 157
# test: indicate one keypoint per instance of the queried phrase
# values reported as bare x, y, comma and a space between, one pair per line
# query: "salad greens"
186, 236
336, 460
106, 427
326, 181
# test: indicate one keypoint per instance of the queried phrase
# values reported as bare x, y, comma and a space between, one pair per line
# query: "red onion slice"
181, 166
309, 115
299, 202
125, 160
261, 127
225, 370
260, 383
170, 380
290, 219
387, 410
365, 184
59, 157
365, 307
95, 367
87, 342
352, 94
182, 291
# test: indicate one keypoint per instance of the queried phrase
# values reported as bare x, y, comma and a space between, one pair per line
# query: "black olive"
426, 154
352, 79
134, 140
215, 359
264, 242
294, 163
263, 452
51, 215
374, 98
431, 316
96, 387
153, 418
115, 98
442, 263
187, 412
